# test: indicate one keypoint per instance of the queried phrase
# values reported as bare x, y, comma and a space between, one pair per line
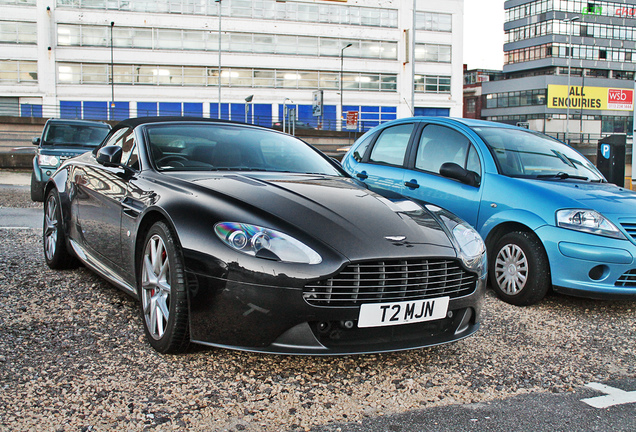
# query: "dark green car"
61, 140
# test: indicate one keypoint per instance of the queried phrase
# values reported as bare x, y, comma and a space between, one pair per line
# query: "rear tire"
162, 291
56, 253
519, 269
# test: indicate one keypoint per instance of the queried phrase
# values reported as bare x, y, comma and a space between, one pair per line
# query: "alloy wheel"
155, 286
51, 225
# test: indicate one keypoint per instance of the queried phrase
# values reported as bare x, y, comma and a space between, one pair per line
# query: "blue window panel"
435, 112
329, 114
169, 108
96, 110
238, 112
387, 117
225, 111
146, 109
365, 125
193, 109
121, 111
370, 109
288, 106
30, 110
369, 116
305, 115
71, 109
262, 114
386, 109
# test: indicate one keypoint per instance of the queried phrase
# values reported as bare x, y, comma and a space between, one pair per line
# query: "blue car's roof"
471, 123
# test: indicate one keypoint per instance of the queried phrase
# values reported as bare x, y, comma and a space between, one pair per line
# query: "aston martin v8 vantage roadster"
242, 237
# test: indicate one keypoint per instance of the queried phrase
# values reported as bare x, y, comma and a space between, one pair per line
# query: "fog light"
599, 272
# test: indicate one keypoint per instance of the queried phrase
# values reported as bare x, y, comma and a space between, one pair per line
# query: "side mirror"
109, 156
454, 171
35, 141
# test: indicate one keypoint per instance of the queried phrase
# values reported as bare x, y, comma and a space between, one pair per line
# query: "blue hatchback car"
548, 216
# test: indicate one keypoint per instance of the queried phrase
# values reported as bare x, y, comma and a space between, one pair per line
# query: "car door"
436, 145
383, 168
101, 191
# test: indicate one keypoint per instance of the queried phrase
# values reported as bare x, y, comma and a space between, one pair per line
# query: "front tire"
37, 190
56, 253
162, 291
519, 269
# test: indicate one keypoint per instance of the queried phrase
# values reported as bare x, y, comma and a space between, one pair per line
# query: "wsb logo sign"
619, 96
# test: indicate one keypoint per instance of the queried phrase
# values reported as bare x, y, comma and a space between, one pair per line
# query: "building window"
165, 75
18, 71
431, 21
256, 9
18, 32
432, 84
471, 104
178, 39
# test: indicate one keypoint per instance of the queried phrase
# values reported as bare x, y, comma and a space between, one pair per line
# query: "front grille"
391, 281
630, 228
627, 279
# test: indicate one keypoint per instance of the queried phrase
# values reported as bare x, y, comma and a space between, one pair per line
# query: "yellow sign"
590, 98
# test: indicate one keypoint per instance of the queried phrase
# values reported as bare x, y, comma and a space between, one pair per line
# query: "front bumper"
588, 265
275, 319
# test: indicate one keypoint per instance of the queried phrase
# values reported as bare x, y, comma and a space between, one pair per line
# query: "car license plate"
407, 312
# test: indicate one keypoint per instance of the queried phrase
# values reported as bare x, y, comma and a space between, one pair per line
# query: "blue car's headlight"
588, 221
265, 243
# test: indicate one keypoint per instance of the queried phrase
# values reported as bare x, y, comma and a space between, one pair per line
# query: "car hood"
605, 198
338, 212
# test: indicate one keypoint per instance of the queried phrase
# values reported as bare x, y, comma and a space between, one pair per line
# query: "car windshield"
224, 147
75, 135
522, 153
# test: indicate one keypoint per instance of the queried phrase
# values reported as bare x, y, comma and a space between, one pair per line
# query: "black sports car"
242, 237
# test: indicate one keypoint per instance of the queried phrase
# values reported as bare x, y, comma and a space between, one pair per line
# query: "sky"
483, 34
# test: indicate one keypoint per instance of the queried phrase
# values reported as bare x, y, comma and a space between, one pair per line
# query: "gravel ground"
73, 358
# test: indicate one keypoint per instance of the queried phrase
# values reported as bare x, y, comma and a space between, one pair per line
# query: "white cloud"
483, 34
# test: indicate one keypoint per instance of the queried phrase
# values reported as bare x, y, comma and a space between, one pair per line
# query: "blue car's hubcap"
511, 269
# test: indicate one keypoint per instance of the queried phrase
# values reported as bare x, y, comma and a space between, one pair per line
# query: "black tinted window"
71, 134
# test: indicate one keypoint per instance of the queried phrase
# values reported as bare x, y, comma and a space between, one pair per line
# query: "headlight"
265, 243
588, 221
469, 244
48, 160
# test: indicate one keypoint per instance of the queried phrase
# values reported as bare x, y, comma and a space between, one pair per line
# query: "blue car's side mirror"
454, 171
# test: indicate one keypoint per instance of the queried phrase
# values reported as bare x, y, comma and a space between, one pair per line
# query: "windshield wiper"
562, 176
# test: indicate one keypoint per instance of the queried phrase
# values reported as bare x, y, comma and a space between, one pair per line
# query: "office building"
113, 59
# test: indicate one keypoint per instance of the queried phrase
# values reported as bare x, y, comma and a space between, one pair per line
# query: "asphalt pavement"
18, 218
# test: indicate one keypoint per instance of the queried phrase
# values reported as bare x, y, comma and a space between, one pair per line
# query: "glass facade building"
113, 59
568, 67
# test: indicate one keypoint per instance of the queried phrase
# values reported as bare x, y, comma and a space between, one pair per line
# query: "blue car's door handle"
362, 175
411, 184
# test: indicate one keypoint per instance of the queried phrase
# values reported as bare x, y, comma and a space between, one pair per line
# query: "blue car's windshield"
522, 153
225, 147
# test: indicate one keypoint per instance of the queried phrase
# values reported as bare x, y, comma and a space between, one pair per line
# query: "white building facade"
114, 59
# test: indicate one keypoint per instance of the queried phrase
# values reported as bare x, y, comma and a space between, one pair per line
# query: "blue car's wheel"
162, 291
519, 271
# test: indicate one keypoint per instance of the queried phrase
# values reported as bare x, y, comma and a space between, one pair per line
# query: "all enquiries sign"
590, 98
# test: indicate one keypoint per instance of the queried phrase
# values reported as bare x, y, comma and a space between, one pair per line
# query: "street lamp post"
569, 100
112, 73
248, 100
341, 65
285, 111
219, 13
